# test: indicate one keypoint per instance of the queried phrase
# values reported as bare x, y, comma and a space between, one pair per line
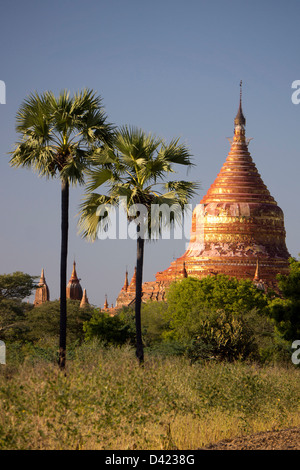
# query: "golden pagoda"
238, 224
237, 229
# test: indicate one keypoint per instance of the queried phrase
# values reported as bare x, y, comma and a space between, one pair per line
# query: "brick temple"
73, 290
237, 229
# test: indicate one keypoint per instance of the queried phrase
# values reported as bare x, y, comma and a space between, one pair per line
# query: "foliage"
12, 319
190, 299
17, 285
135, 167
42, 322
58, 134
223, 335
289, 284
285, 309
105, 401
13, 289
154, 322
108, 329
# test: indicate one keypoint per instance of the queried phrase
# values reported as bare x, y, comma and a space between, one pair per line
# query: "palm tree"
58, 135
134, 169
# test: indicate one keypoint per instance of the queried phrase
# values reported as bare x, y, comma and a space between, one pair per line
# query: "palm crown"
135, 168
59, 134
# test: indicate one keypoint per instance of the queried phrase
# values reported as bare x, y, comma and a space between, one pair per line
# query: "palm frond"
131, 169
59, 134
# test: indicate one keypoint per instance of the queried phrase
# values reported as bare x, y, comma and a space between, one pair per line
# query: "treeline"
215, 318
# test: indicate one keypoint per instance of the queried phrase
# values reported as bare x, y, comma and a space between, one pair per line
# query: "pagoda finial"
256, 275
241, 82
239, 121
84, 300
74, 273
125, 287
42, 278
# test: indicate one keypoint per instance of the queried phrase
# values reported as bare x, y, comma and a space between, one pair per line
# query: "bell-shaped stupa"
237, 224
74, 289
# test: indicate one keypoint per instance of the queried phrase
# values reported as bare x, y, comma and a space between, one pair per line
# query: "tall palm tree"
58, 135
134, 169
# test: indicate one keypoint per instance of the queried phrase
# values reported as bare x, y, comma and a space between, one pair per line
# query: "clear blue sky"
171, 67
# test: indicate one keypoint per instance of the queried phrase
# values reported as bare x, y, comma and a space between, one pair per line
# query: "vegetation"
219, 372
135, 169
17, 285
285, 310
58, 137
107, 402
14, 288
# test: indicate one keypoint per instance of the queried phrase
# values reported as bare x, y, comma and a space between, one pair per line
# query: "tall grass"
107, 401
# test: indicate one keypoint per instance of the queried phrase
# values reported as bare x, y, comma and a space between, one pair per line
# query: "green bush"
190, 299
108, 329
224, 335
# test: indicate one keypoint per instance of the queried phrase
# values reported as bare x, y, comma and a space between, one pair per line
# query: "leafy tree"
224, 335
285, 309
289, 284
17, 285
190, 299
42, 322
109, 329
58, 136
12, 317
13, 289
135, 168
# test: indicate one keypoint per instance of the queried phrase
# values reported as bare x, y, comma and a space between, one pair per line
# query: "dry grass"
106, 401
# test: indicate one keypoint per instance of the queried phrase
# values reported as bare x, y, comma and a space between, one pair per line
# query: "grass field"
107, 401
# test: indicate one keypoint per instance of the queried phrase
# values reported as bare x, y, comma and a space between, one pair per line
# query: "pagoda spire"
42, 278
257, 274
84, 300
239, 122
74, 273
132, 284
125, 287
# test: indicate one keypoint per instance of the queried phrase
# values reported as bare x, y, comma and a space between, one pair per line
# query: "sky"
169, 67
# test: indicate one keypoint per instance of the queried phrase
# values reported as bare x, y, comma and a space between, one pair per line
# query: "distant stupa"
84, 301
42, 293
74, 289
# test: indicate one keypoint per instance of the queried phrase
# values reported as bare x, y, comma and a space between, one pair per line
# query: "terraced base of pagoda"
235, 267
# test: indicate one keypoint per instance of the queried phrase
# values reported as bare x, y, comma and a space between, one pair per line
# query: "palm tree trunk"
63, 271
138, 298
